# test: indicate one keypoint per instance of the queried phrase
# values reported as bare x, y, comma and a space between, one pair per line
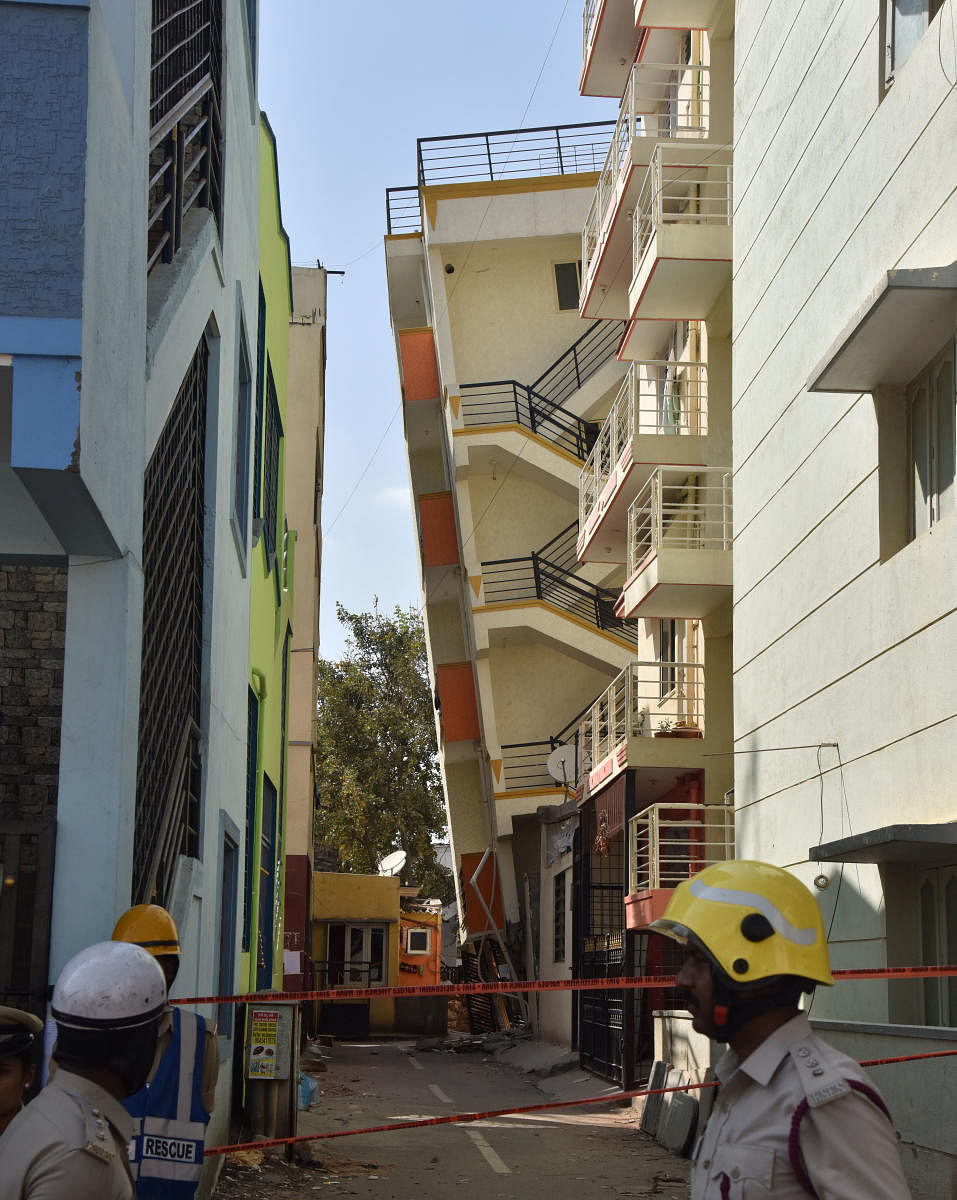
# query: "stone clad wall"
32, 636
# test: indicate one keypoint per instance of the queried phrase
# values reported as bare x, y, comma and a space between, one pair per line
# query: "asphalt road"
581, 1152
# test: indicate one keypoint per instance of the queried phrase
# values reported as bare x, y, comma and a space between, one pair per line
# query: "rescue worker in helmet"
19, 1045
71, 1142
793, 1117
172, 1109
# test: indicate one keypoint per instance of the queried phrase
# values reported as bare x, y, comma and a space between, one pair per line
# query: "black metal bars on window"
168, 768
185, 154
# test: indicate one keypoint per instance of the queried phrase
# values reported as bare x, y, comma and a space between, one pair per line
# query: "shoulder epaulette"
820, 1081
98, 1140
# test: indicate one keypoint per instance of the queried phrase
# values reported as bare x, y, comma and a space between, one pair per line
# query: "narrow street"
590, 1151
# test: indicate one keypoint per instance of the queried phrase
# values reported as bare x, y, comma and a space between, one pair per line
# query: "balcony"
686, 14
609, 42
681, 251
652, 715
660, 416
668, 842
665, 100
679, 544
506, 402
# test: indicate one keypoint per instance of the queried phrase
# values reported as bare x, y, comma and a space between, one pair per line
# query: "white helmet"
110, 985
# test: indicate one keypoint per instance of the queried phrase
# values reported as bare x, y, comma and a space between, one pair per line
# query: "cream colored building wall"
530, 713
517, 515
834, 186
305, 424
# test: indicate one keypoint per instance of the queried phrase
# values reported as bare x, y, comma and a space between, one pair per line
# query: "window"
417, 941
568, 282
937, 898
227, 932
260, 405
670, 634
931, 437
558, 954
355, 955
252, 753
268, 861
6, 406
271, 451
243, 414
905, 22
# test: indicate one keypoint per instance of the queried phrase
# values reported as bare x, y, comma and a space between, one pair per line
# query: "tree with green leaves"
377, 773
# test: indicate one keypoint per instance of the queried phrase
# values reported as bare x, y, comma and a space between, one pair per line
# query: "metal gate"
26, 894
600, 946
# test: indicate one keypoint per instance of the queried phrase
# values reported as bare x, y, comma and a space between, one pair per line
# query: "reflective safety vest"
169, 1120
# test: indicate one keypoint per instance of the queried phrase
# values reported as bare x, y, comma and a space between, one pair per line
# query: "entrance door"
26, 894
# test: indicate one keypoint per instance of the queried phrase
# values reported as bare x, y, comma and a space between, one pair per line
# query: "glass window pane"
376, 955
910, 21
944, 396
566, 281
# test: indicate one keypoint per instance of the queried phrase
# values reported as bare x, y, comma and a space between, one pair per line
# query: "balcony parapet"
679, 544
668, 843
508, 402
681, 248
662, 102
658, 399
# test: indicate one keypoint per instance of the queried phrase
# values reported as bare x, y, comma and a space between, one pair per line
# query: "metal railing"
347, 972
186, 135
657, 397
507, 580
514, 153
669, 842
663, 102
645, 696
561, 551
524, 765
589, 13
403, 214
673, 194
678, 510
576, 365
506, 401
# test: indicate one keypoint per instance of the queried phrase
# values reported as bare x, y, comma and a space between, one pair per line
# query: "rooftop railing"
678, 510
662, 101
514, 153
673, 194
670, 842
657, 397
506, 401
402, 210
645, 697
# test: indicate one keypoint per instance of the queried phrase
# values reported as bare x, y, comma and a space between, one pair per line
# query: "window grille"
168, 767
186, 135
273, 434
559, 940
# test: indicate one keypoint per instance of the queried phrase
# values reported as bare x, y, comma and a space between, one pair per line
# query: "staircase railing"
576, 365
506, 401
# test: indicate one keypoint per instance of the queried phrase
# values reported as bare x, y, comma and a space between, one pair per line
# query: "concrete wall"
836, 640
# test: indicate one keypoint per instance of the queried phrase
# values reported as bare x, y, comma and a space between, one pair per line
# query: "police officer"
19, 1043
71, 1142
794, 1117
172, 1110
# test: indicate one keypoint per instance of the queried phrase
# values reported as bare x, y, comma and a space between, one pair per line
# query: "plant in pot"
664, 729
686, 729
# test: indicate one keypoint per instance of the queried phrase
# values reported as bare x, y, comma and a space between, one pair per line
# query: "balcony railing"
185, 154
402, 211
662, 102
673, 194
524, 764
514, 153
676, 510
506, 401
511, 580
589, 13
643, 698
657, 397
670, 842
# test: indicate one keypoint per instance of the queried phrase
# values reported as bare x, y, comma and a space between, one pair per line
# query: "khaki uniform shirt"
848, 1146
69, 1144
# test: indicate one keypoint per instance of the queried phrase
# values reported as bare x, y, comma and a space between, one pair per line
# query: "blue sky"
348, 89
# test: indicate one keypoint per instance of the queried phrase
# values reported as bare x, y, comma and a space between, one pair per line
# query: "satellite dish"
560, 764
393, 863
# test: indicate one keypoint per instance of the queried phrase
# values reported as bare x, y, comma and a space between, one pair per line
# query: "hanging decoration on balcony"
600, 844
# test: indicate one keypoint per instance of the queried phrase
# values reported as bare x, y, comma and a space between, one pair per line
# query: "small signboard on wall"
270, 1041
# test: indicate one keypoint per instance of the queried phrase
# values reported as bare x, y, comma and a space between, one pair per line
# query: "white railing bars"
680, 509
669, 842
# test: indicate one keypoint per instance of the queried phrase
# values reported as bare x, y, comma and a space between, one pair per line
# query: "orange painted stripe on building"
459, 710
440, 546
420, 369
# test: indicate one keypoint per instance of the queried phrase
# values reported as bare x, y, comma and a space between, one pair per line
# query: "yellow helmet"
149, 926
754, 921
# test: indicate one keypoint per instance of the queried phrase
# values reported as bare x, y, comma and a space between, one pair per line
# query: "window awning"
925, 845
899, 328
